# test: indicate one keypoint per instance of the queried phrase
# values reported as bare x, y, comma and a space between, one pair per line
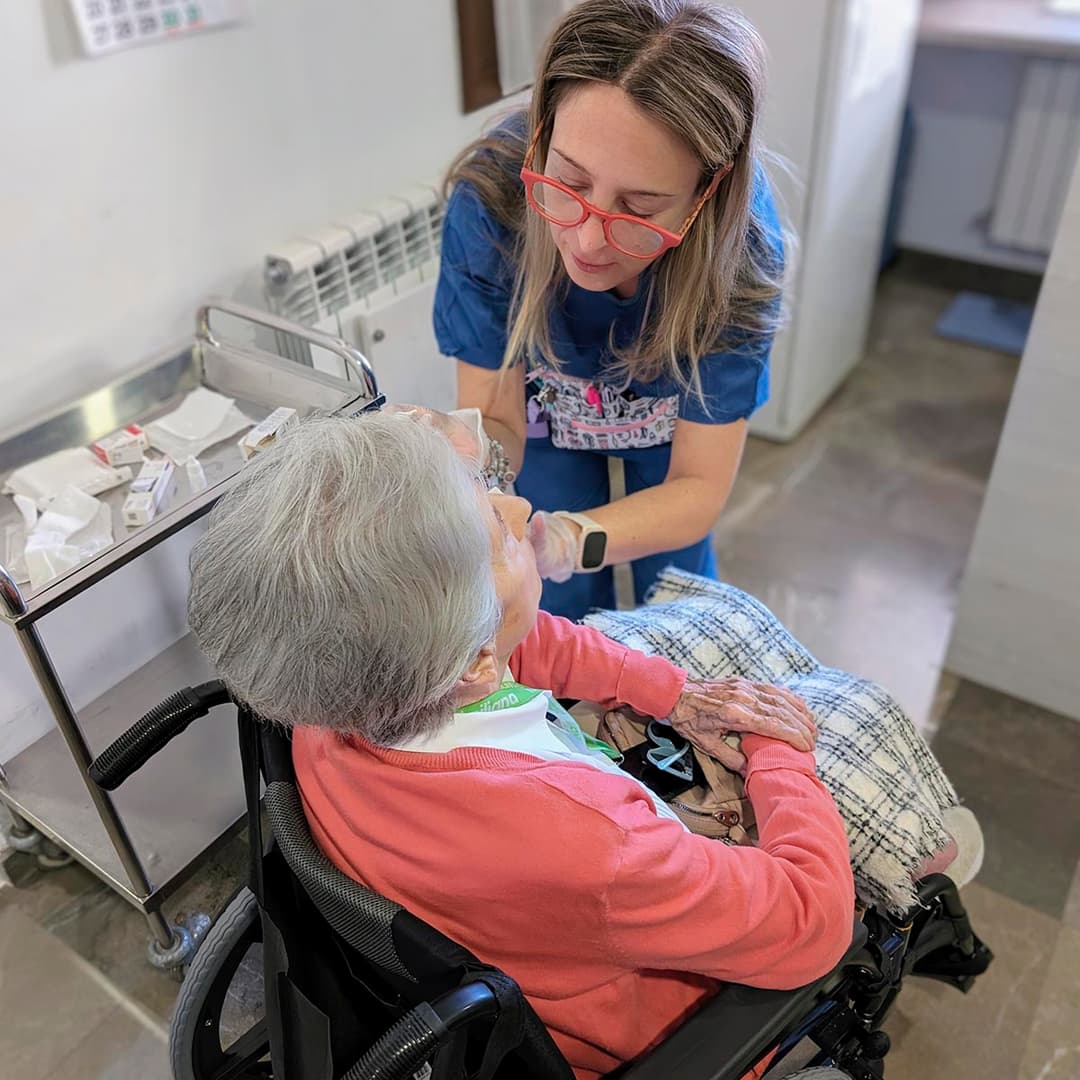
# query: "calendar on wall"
109, 25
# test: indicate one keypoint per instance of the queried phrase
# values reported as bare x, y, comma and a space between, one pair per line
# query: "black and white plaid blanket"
888, 786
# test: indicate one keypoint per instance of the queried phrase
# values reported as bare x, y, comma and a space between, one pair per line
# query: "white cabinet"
838, 77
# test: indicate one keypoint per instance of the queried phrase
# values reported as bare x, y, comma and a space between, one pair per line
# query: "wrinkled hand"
555, 541
467, 438
707, 711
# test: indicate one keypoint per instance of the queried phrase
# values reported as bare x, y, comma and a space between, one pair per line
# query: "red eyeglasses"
631, 235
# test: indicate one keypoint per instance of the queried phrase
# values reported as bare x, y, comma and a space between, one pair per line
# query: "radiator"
1040, 156
369, 277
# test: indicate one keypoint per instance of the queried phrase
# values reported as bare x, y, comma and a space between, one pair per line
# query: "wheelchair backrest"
343, 962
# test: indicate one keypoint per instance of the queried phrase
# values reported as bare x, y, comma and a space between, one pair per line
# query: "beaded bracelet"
497, 469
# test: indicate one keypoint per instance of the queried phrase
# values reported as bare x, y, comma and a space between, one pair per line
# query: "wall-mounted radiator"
1042, 149
370, 278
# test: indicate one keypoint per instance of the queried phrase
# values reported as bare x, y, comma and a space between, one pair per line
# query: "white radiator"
1040, 157
370, 278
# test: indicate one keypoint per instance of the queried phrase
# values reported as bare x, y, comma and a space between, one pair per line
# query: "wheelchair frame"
358, 988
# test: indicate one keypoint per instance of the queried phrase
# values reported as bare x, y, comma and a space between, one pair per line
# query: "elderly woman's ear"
482, 678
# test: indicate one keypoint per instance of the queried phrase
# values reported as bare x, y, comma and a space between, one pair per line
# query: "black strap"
250, 759
508, 1031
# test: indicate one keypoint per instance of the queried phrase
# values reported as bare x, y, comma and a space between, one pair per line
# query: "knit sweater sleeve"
777, 915
574, 661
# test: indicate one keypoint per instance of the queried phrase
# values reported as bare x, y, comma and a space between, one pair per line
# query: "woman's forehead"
605, 133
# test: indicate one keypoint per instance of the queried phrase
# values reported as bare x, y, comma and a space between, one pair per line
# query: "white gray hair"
345, 580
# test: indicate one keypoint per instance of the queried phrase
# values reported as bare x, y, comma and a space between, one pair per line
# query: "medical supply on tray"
147, 491
75, 527
196, 475
203, 419
264, 434
50, 475
124, 447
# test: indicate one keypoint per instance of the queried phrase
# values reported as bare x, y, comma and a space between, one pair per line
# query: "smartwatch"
592, 542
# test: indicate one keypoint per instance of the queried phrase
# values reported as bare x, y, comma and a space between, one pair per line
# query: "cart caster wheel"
186, 940
23, 837
51, 856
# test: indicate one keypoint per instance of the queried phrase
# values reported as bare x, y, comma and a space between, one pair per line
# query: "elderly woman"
361, 585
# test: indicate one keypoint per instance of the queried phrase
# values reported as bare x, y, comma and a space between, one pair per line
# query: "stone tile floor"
856, 535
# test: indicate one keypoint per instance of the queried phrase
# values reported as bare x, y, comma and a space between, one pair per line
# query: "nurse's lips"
590, 268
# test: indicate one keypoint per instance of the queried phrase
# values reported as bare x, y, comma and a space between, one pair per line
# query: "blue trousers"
554, 479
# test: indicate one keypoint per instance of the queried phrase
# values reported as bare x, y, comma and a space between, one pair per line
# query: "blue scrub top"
472, 304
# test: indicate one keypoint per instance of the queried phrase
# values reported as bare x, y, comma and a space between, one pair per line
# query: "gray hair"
345, 580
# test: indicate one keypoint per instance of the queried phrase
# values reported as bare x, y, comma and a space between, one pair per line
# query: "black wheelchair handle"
404, 1049
132, 750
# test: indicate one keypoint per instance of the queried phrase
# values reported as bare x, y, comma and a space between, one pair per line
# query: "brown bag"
718, 808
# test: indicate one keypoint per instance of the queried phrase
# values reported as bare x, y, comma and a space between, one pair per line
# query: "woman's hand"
707, 711
465, 435
555, 541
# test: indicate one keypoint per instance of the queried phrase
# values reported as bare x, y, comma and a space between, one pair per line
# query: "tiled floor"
856, 535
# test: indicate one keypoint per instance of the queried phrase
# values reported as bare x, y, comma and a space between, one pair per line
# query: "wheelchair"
355, 987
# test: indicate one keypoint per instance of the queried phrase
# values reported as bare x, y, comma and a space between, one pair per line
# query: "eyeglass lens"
632, 237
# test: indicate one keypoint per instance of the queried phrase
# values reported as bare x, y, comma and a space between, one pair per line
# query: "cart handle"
132, 750
354, 359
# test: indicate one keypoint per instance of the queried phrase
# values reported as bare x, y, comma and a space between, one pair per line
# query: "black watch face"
592, 552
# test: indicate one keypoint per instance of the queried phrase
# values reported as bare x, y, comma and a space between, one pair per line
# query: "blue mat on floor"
988, 321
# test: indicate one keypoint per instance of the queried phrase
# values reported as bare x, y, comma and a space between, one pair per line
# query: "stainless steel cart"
144, 840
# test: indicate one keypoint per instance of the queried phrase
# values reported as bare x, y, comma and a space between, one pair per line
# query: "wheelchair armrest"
735, 1029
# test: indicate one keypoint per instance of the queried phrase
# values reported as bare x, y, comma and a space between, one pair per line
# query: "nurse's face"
620, 160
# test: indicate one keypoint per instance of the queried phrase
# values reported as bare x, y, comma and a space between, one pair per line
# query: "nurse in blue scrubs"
610, 286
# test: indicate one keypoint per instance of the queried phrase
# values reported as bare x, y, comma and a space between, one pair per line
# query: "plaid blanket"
888, 786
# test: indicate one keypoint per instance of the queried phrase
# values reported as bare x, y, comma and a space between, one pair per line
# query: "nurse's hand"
555, 541
707, 711
465, 437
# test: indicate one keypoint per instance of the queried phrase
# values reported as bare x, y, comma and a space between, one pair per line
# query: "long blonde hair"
700, 70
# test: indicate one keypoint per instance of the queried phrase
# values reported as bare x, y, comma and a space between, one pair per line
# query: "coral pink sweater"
616, 923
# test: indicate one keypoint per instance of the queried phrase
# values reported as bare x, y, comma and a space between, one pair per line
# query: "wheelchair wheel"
219, 1027
819, 1073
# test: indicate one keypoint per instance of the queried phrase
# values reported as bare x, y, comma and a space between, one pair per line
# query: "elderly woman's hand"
708, 711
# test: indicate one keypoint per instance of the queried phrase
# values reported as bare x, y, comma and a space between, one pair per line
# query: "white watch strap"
588, 526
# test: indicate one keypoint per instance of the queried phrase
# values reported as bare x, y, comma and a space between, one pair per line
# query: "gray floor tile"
38, 893
1072, 905
940, 1034
120, 1048
1016, 732
49, 1002
1053, 1046
1031, 824
113, 936
110, 934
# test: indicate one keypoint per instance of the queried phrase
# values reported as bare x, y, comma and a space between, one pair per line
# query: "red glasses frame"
668, 239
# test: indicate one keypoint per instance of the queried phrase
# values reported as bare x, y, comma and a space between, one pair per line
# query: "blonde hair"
700, 70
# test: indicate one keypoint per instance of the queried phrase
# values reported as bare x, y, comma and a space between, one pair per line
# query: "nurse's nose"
591, 238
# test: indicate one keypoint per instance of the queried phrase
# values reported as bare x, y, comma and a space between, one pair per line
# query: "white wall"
133, 186
1018, 624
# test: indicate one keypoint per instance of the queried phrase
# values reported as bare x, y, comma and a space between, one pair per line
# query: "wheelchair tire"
195, 1036
820, 1072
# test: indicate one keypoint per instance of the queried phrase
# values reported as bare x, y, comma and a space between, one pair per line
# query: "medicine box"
147, 491
263, 434
123, 447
